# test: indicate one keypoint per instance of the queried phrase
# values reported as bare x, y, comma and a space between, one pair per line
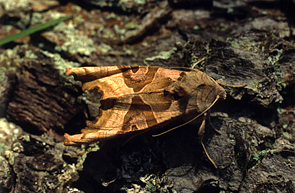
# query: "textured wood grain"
41, 101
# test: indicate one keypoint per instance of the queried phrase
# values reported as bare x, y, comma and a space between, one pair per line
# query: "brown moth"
140, 98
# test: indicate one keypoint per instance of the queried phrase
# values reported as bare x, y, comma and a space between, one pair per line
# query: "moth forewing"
140, 98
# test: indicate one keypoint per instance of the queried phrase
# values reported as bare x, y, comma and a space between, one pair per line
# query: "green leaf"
34, 29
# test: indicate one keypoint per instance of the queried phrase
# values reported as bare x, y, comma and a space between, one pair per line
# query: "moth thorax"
176, 90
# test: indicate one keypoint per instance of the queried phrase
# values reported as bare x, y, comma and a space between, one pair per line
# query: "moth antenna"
130, 138
208, 155
201, 135
216, 130
221, 83
193, 119
194, 65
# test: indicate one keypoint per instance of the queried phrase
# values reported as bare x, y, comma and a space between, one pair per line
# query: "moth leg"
201, 135
208, 117
79, 139
194, 65
202, 129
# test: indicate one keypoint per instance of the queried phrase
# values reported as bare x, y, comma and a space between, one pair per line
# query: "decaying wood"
40, 99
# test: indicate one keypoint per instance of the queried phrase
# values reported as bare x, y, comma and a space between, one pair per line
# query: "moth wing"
114, 81
133, 99
117, 81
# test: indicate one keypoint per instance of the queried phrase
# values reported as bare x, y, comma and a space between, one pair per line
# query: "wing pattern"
137, 98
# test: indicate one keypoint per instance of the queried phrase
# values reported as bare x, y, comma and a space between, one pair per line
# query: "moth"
135, 98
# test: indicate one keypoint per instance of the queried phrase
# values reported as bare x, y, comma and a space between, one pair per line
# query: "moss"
196, 27
162, 55
200, 66
257, 157
30, 54
151, 183
128, 51
131, 26
244, 44
8, 153
127, 5
280, 111
9, 134
75, 42
286, 135
277, 74
235, 45
104, 48
26, 138
2, 74
118, 30
10, 58
36, 18
290, 164
85, 150
60, 63
12, 5
258, 86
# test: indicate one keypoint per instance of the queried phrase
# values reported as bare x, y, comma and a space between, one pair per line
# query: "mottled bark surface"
41, 98
242, 42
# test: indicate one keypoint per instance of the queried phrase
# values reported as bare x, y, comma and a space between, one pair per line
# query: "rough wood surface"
41, 100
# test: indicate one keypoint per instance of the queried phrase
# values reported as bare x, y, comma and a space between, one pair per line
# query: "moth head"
221, 92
